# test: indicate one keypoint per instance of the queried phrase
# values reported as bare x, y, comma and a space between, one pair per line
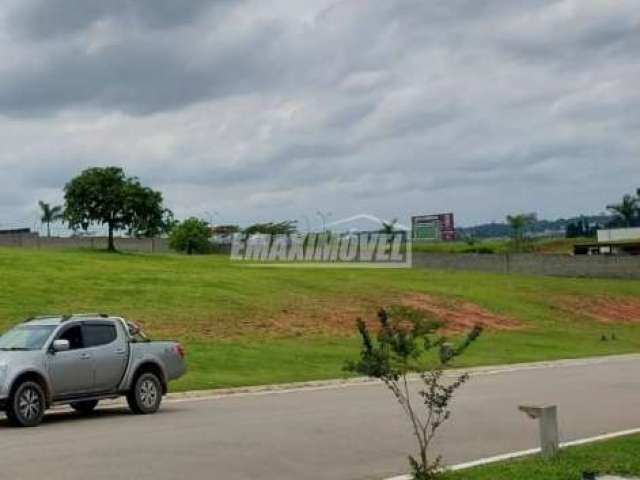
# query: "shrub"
401, 342
190, 236
483, 250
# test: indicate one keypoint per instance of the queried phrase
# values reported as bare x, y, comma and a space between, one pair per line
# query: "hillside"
546, 245
540, 227
245, 325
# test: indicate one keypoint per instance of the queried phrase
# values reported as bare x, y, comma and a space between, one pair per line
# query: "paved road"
351, 433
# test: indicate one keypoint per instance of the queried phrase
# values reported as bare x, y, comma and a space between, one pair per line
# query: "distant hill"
541, 227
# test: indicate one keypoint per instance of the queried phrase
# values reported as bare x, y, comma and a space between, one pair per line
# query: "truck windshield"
26, 337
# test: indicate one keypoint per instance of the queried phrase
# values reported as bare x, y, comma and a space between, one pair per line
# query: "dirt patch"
458, 315
604, 308
332, 317
306, 318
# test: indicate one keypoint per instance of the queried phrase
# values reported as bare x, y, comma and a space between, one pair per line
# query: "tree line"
105, 196
624, 214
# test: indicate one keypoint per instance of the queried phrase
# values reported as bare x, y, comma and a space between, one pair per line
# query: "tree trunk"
48, 229
111, 246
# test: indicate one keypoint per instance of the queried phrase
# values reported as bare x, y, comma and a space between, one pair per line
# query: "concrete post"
548, 421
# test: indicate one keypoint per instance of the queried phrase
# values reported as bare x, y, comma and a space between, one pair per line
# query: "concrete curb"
221, 393
533, 451
363, 381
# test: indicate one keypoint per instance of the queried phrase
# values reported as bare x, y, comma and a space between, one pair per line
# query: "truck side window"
74, 335
99, 334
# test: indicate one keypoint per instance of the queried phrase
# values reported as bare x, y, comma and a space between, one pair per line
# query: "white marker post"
548, 421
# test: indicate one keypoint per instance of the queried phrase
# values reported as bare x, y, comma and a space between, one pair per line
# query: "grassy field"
545, 245
619, 457
244, 326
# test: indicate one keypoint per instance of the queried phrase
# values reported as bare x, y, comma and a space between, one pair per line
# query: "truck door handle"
120, 351
85, 356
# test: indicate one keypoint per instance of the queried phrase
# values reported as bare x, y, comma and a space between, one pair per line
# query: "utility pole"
210, 216
307, 222
323, 216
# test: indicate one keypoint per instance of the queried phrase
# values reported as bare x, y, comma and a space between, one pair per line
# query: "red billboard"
440, 226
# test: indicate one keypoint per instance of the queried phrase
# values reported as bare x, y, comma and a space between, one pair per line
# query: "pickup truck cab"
79, 360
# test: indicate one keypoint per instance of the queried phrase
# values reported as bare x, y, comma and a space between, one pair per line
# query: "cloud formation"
274, 109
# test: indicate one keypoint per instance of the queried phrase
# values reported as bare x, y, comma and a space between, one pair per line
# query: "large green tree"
190, 236
106, 196
149, 217
50, 214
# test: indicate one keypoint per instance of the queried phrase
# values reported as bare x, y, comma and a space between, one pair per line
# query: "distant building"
615, 241
222, 234
439, 227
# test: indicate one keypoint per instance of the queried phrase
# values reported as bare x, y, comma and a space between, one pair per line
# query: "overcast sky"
275, 109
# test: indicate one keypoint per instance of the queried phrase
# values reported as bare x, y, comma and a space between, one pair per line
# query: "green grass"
619, 456
252, 362
545, 245
244, 326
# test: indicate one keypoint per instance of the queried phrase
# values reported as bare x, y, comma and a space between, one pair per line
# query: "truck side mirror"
60, 345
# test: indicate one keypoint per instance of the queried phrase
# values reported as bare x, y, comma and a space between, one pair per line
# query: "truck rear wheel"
26, 405
146, 394
85, 406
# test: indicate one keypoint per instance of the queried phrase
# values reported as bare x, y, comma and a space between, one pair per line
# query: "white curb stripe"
533, 451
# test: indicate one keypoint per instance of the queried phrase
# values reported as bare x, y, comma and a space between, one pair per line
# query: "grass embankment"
619, 457
244, 326
545, 245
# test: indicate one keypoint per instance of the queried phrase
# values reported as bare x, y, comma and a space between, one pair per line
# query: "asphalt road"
354, 432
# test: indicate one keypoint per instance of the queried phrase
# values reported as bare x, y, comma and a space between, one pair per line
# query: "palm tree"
519, 224
389, 227
50, 214
627, 211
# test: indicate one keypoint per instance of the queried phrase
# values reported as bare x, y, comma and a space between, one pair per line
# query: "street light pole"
210, 215
307, 222
323, 216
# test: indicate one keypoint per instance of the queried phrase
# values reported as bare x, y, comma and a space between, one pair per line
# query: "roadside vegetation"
404, 336
190, 236
548, 245
618, 456
245, 326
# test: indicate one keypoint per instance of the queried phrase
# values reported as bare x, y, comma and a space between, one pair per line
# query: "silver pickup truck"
80, 360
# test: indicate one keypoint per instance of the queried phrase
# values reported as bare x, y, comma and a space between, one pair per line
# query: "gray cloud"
154, 71
268, 109
42, 19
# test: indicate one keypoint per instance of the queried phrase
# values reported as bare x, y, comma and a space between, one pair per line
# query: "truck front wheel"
26, 405
146, 394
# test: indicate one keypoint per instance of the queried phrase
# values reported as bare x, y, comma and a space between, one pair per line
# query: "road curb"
526, 453
364, 381
318, 385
